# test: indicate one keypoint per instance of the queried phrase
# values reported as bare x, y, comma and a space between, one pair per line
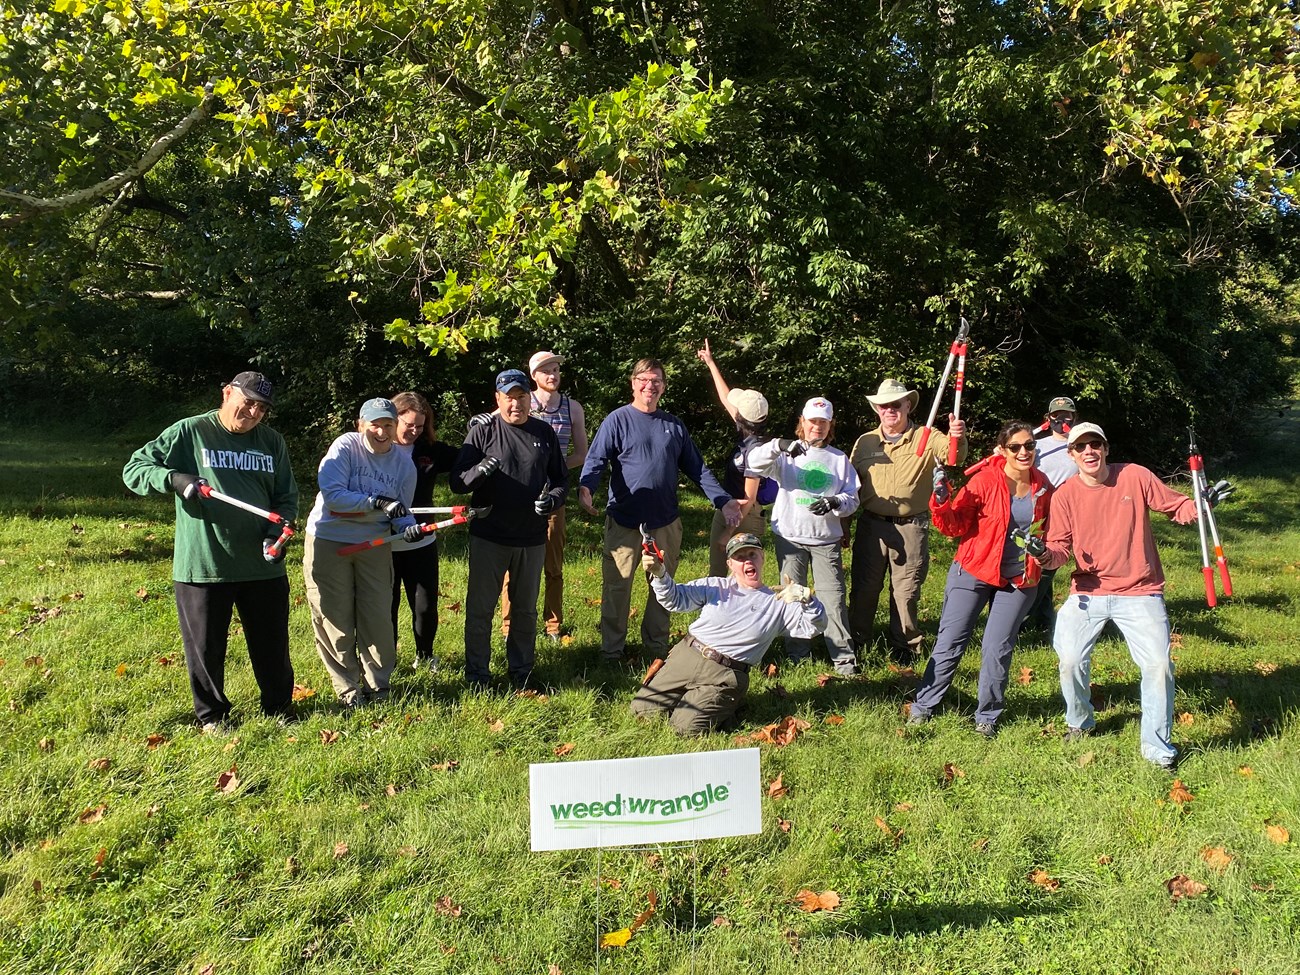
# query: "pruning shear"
649, 545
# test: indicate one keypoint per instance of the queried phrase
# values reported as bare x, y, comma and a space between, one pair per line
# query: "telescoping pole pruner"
468, 515
287, 529
1205, 520
957, 352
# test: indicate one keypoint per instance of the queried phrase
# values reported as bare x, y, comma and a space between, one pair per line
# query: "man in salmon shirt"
1101, 518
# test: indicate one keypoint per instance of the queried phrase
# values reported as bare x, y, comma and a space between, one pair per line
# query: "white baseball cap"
1079, 429
818, 408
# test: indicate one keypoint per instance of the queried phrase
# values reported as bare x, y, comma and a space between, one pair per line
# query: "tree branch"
34, 206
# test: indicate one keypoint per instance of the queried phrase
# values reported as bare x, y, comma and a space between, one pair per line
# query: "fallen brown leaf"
392, 789
92, 815
142, 594
100, 764
1042, 878
783, 732
770, 671
119, 670
1245, 770
776, 789
824, 679
784, 825
453, 607
36, 661
902, 807
1086, 759
231, 745
1217, 857
406, 850
894, 837
301, 693
835, 719
154, 740
1026, 675
496, 725
902, 671
1185, 718
1104, 859
1181, 886
209, 969
46, 744
228, 782
291, 865
809, 901
565, 749
980, 845
791, 937
448, 766
340, 850
445, 906
1265, 667
328, 737
721, 922
1278, 834
1179, 793
950, 772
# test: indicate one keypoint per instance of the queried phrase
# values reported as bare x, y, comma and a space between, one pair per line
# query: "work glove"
275, 557
186, 485
545, 504
942, 489
652, 565
824, 506
414, 533
1221, 491
792, 448
792, 592
488, 466
391, 507
480, 420
1035, 546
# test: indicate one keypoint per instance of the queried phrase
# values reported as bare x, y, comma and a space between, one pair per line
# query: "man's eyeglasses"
1084, 445
1027, 447
254, 405
892, 407
647, 380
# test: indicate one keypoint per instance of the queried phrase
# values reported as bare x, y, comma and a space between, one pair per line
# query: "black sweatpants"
204, 610
416, 570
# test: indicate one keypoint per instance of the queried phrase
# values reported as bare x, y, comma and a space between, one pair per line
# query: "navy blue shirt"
645, 452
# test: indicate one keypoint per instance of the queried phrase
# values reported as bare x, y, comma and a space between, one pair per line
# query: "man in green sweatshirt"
223, 556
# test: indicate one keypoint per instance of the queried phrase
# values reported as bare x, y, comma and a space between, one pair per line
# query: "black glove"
1035, 546
824, 506
186, 485
488, 466
480, 420
275, 557
942, 489
545, 504
792, 448
414, 533
393, 508
1221, 491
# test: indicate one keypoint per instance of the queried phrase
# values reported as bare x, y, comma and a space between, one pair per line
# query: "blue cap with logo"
510, 380
377, 409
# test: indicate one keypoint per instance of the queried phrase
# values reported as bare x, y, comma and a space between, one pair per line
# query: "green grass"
176, 875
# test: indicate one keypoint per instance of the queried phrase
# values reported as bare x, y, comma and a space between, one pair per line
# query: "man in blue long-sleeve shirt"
645, 448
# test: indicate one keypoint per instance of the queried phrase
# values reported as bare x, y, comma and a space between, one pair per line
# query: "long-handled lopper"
469, 514
287, 529
1205, 520
456, 509
957, 352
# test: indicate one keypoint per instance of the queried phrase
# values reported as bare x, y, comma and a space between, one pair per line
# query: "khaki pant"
622, 564
350, 598
721, 533
698, 694
902, 552
552, 573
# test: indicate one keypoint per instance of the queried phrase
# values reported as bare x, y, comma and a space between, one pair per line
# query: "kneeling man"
703, 682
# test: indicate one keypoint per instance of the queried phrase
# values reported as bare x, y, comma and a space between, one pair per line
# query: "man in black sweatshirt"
513, 464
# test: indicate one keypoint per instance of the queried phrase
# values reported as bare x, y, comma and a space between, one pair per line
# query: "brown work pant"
697, 694
620, 566
552, 574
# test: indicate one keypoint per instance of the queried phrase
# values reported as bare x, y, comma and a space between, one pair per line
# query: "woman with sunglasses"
999, 517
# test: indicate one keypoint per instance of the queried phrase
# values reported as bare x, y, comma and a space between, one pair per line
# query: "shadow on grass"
936, 918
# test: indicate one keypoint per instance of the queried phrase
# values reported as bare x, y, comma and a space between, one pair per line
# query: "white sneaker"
426, 663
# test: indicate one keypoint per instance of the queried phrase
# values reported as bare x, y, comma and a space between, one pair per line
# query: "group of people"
1046, 495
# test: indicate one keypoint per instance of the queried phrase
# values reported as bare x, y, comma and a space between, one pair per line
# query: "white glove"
652, 565
790, 592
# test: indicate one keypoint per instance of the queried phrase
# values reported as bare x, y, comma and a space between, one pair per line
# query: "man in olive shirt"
223, 556
893, 523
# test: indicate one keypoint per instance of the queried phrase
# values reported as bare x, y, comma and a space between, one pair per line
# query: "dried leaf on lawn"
496, 725
328, 736
834, 719
228, 782
291, 865
92, 815
1181, 886
616, 939
392, 789
902, 671
1042, 878
1104, 859
1265, 667
824, 679
448, 766
1179, 793
809, 901
647, 914
1245, 770
100, 764
1186, 718
445, 906
784, 825
340, 850
783, 732
950, 772
1086, 759
142, 594
1026, 675
46, 744
770, 671
776, 789
301, 693
894, 837
980, 845
565, 749
1217, 857
119, 670
902, 807
154, 740
1278, 834
721, 922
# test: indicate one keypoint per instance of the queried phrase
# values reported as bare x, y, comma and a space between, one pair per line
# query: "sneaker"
1168, 764
354, 701
555, 638
222, 727
986, 728
430, 664
917, 718
1075, 734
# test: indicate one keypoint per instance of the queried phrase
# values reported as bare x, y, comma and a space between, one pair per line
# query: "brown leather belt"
708, 653
899, 519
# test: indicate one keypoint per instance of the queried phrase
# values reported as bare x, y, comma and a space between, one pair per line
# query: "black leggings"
417, 570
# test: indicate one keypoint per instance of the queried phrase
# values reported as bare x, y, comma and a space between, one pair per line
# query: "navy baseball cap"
255, 386
511, 379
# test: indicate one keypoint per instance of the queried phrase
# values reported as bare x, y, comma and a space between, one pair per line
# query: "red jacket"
980, 514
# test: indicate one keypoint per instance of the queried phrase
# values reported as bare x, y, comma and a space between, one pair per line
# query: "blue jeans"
963, 598
1145, 626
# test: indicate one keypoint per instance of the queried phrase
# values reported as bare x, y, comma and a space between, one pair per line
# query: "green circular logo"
814, 479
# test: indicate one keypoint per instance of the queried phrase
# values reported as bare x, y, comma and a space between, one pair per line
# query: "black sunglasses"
1028, 447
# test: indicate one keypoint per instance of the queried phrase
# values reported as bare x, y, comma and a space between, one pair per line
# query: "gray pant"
697, 694
827, 564
902, 551
488, 565
1043, 613
963, 598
